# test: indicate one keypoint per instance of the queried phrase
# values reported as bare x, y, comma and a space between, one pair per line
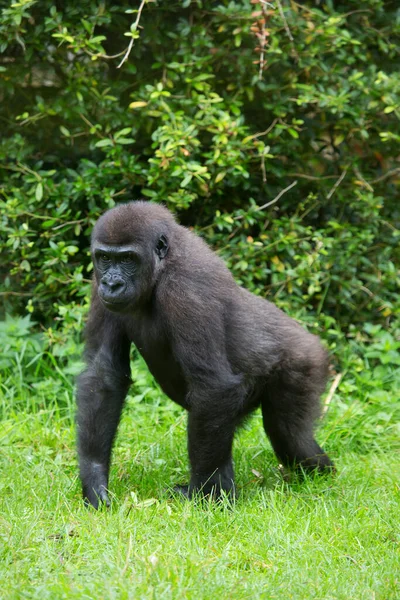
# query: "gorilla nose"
113, 286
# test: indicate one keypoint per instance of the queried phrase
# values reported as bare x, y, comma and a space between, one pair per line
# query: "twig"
311, 11
68, 223
33, 119
106, 56
312, 177
266, 132
86, 120
27, 170
288, 32
367, 291
284, 20
16, 293
360, 10
332, 390
392, 227
133, 28
386, 175
289, 187
361, 178
118, 193
261, 33
262, 41
263, 170
338, 182
43, 217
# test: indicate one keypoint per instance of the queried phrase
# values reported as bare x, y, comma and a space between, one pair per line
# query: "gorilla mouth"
114, 305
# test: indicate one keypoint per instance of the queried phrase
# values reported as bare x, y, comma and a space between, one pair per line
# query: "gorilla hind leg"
288, 417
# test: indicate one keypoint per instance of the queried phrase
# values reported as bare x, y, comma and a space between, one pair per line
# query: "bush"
218, 108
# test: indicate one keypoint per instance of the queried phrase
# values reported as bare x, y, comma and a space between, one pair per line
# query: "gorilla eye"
103, 257
127, 259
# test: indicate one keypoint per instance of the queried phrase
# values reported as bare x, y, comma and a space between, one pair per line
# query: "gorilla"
214, 348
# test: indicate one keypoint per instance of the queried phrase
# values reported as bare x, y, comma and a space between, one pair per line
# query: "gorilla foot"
320, 463
181, 491
96, 498
94, 477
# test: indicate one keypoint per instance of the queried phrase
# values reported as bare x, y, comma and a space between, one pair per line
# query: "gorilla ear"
162, 247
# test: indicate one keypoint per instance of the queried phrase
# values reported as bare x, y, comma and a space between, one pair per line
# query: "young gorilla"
214, 348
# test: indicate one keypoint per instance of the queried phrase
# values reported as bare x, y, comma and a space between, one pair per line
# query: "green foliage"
217, 108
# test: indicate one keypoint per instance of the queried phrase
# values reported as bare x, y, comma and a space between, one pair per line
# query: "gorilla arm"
101, 392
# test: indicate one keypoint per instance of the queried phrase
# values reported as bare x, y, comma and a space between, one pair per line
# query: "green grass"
323, 538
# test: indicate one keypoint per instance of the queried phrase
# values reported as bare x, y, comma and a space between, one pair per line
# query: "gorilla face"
117, 271
126, 274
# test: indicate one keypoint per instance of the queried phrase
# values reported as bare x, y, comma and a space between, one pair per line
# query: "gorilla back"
215, 348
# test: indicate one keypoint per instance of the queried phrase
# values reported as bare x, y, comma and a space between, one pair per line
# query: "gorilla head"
127, 253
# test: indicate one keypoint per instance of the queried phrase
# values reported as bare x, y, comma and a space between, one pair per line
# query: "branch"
106, 56
386, 175
361, 178
16, 293
312, 177
288, 32
133, 28
263, 170
289, 187
261, 133
68, 223
338, 182
86, 120
261, 33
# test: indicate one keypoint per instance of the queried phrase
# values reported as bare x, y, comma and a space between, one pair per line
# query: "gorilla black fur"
214, 348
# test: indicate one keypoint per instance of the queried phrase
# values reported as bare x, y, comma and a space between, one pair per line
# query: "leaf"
138, 104
147, 503
338, 139
39, 191
220, 176
63, 36
132, 34
97, 39
103, 143
49, 223
25, 266
65, 131
122, 132
125, 141
71, 249
186, 180
86, 25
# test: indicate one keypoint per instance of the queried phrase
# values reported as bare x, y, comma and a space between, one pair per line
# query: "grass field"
323, 537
